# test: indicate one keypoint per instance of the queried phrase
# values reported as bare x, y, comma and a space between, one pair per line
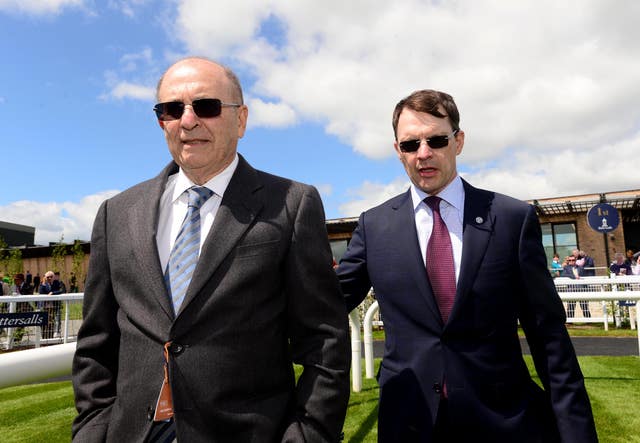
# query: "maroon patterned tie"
440, 266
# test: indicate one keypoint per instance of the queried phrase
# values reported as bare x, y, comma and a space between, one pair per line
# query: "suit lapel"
477, 228
143, 229
407, 240
240, 205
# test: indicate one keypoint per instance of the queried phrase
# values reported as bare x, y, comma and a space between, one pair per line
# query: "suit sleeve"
542, 317
318, 328
352, 272
94, 368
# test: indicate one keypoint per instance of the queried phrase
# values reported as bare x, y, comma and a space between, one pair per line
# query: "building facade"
17, 235
563, 221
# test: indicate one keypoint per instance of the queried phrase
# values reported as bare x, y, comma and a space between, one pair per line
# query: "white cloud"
532, 175
325, 190
127, 7
141, 67
371, 194
130, 62
73, 220
535, 101
124, 90
39, 7
272, 115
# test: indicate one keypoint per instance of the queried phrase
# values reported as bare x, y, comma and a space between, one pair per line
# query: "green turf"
575, 330
43, 412
36, 413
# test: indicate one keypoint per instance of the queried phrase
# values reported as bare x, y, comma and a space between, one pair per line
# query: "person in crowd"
36, 281
635, 269
556, 266
205, 285
73, 283
51, 286
629, 254
5, 287
581, 266
579, 259
61, 286
22, 287
573, 271
29, 278
588, 264
441, 259
620, 266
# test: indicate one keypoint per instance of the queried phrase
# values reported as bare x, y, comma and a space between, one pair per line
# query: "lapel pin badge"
479, 220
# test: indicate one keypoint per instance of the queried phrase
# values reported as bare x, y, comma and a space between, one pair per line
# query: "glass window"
547, 241
560, 238
338, 248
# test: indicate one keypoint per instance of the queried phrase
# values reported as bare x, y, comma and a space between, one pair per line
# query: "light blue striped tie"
185, 252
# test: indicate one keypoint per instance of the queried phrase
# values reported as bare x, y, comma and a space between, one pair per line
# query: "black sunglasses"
435, 142
203, 108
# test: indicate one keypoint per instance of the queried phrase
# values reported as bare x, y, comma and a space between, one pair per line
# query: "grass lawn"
43, 412
575, 330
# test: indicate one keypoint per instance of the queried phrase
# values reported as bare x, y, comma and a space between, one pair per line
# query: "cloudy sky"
548, 93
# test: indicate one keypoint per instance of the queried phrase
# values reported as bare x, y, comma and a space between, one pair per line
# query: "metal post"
368, 340
65, 333
356, 364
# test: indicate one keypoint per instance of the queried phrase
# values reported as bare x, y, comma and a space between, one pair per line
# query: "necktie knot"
198, 195
433, 202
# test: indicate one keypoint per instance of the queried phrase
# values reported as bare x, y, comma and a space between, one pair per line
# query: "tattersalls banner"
24, 319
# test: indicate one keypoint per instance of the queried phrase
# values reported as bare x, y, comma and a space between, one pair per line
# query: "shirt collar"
218, 184
453, 194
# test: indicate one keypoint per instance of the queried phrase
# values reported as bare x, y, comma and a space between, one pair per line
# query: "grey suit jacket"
263, 295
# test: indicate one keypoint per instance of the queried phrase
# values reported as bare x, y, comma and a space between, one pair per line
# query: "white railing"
356, 370
604, 290
50, 362
601, 289
32, 365
35, 303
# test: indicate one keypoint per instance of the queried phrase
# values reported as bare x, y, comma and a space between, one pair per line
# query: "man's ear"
161, 124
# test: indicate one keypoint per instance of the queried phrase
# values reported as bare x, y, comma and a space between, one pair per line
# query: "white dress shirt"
174, 204
452, 213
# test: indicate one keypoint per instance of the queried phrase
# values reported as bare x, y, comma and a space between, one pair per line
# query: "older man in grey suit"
210, 359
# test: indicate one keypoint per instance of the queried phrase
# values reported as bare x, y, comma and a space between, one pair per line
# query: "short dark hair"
428, 100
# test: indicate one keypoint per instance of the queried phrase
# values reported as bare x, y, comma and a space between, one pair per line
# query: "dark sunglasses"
203, 108
435, 142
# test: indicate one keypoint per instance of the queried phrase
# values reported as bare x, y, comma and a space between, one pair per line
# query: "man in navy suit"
453, 367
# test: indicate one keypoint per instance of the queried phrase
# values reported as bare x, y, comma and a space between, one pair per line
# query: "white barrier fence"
38, 364
64, 314
588, 289
33, 365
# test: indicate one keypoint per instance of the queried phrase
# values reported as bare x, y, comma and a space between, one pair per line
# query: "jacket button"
150, 413
437, 388
176, 348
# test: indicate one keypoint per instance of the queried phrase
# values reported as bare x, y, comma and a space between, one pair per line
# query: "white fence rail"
37, 364
32, 365
602, 290
64, 312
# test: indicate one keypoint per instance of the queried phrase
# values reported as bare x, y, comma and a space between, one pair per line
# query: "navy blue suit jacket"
503, 279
